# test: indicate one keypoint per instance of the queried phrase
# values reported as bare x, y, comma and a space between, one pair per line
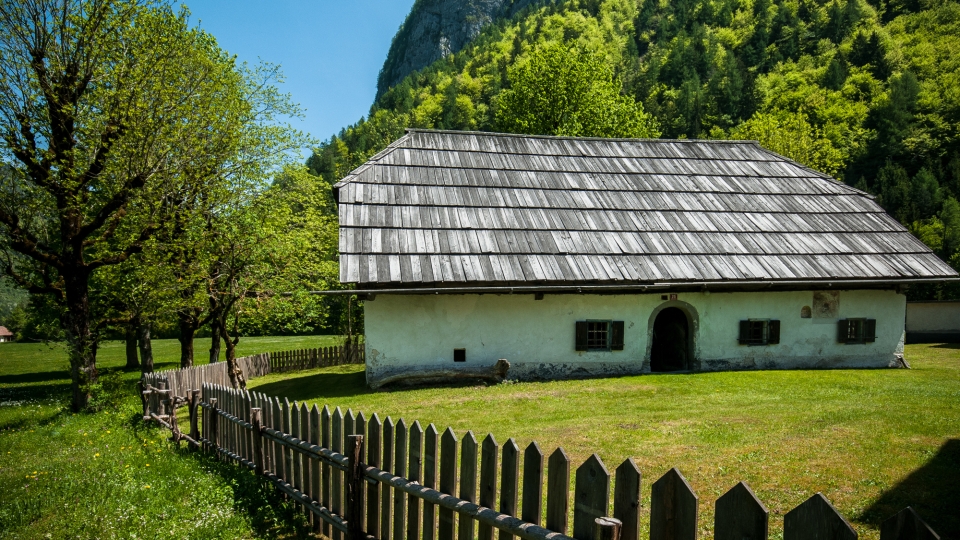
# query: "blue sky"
330, 51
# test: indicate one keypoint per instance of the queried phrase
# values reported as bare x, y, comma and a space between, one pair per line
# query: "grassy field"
872, 441
109, 475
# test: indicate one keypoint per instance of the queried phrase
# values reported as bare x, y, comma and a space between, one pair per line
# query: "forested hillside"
436, 28
868, 92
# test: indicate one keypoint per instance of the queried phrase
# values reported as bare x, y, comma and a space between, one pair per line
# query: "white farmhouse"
574, 257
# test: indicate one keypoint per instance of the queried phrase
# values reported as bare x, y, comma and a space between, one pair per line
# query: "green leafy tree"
950, 216
894, 186
102, 105
11, 298
791, 135
306, 260
925, 194
562, 90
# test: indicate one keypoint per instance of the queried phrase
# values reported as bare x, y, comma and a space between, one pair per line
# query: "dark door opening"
671, 341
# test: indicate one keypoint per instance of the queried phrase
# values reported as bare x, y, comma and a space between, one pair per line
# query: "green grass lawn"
109, 475
872, 441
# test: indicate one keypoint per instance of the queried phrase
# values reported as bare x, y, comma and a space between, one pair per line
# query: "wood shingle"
467, 208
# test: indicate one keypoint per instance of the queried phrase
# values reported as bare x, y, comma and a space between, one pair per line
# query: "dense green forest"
868, 92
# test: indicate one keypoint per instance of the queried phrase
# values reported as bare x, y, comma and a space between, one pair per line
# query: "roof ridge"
567, 137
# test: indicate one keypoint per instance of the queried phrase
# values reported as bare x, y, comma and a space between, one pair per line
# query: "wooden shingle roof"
444, 208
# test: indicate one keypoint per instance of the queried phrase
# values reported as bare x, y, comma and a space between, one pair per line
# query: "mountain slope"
436, 28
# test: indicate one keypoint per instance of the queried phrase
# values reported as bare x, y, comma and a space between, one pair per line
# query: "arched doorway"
670, 350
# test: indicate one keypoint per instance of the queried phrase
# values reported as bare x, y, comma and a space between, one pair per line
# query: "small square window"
759, 332
598, 335
459, 355
856, 331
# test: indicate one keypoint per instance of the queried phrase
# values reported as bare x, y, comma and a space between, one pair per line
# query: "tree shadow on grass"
55, 377
933, 490
31, 386
319, 386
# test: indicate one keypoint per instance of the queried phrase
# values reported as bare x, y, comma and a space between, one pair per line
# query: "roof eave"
633, 288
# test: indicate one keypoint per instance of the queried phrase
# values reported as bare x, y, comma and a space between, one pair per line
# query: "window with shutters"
599, 335
759, 332
856, 331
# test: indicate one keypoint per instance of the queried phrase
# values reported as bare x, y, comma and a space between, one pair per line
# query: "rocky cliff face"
436, 28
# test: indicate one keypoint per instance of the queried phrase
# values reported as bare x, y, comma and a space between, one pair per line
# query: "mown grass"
109, 475
872, 441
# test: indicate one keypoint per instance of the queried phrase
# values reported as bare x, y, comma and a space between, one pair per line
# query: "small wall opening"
459, 355
670, 350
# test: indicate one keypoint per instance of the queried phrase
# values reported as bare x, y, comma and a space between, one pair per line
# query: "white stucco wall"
412, 332
933, 322
933, 317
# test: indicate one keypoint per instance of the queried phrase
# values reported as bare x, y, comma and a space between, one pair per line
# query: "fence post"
194, 404
213, 436
257, 439
141, 388
607, 528
355, 487
172, 418
159, 395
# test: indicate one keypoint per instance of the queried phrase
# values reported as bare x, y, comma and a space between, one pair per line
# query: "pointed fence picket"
412, 476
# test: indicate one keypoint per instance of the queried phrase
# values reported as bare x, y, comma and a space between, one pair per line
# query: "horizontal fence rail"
363, 477
180, 381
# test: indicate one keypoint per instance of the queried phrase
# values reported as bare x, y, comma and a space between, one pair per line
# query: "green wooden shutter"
616, 336
773, 332
744, 332
581, 335
869, 330
843, 330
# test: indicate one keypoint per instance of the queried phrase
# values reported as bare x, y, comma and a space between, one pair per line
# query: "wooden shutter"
869, 330
773, 332
616, 336
581, 335
744, 332
843, 330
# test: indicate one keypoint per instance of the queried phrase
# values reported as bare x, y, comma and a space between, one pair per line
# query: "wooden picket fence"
181, 381
361, 477
314, 358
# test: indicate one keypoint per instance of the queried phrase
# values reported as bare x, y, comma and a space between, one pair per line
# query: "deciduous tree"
562, 90
103, 104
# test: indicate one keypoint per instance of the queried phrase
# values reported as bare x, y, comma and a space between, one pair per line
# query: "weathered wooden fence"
181, 381
314, 358
361, 477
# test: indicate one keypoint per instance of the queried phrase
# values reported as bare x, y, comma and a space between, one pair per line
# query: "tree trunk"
187, 330
237, 380
214, 341
130, 336
146, 349
81, 341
